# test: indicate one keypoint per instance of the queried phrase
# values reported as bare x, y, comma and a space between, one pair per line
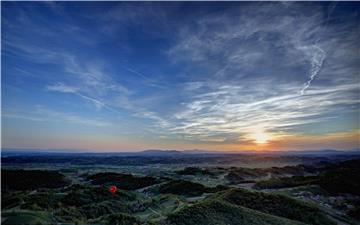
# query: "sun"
260, 137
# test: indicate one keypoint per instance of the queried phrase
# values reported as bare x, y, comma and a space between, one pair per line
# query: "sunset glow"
157, 75
180, 112
261, 138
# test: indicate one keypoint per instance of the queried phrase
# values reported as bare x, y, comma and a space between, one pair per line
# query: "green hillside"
275, 204
122, 181
216, 212
187, 188
31, 179
25, 217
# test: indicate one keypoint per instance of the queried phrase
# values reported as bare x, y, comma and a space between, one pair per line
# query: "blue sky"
172, 75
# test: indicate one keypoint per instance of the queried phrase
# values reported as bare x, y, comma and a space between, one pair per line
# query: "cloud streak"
316, 63
220, 113
42, 114
249, 90
222, 75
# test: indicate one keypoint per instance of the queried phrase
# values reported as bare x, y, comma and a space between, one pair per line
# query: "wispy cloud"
226, 75
83, 76
62, 88
224, 112
257, 67
42, 114
316, 63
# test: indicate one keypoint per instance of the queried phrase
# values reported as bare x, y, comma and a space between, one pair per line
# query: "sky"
227, 76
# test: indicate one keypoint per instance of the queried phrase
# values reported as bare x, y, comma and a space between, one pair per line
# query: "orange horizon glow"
262, 142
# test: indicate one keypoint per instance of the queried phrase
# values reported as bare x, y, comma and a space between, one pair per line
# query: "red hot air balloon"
112, 189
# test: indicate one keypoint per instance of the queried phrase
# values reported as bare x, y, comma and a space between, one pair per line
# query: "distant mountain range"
168, 153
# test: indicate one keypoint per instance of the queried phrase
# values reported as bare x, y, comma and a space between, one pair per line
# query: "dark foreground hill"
343, 177
217, 212
187, 188
31, 179
123, 181
237, 206
275, 204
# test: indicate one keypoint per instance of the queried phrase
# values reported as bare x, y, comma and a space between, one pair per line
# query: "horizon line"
69, 150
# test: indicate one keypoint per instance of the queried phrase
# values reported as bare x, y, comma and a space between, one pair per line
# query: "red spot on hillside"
112, 189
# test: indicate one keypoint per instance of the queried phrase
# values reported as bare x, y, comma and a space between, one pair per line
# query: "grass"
31, 179
286, 182
217, 212
187, 188
27, 218
238, 206
194, 171
342, 178
275, 204
122, 181
312, 189
161, 206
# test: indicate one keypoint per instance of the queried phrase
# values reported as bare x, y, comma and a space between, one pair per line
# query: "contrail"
316, 63
319, 56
